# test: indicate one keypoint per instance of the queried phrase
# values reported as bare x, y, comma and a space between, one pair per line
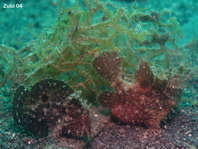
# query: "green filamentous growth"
83, 31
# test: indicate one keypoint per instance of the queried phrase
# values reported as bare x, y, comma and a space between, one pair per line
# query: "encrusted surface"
49, 106
146, 101
108, 65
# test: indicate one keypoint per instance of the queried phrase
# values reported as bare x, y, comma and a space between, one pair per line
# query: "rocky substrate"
180, 133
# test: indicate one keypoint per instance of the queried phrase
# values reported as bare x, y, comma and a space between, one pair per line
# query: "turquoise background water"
19, 26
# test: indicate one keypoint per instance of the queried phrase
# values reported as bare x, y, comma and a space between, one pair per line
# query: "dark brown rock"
50, 106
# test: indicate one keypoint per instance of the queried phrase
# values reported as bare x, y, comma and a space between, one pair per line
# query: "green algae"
83, 31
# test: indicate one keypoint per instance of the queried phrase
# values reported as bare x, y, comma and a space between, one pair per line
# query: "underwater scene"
98, 74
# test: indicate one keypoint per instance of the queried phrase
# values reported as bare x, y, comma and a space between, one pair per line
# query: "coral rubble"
49, 106
146, 101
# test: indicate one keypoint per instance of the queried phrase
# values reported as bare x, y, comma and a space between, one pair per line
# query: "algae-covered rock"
146, 100
49, 106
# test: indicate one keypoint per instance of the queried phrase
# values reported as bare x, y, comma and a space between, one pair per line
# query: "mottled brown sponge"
48, 106
108, 65
146, 101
